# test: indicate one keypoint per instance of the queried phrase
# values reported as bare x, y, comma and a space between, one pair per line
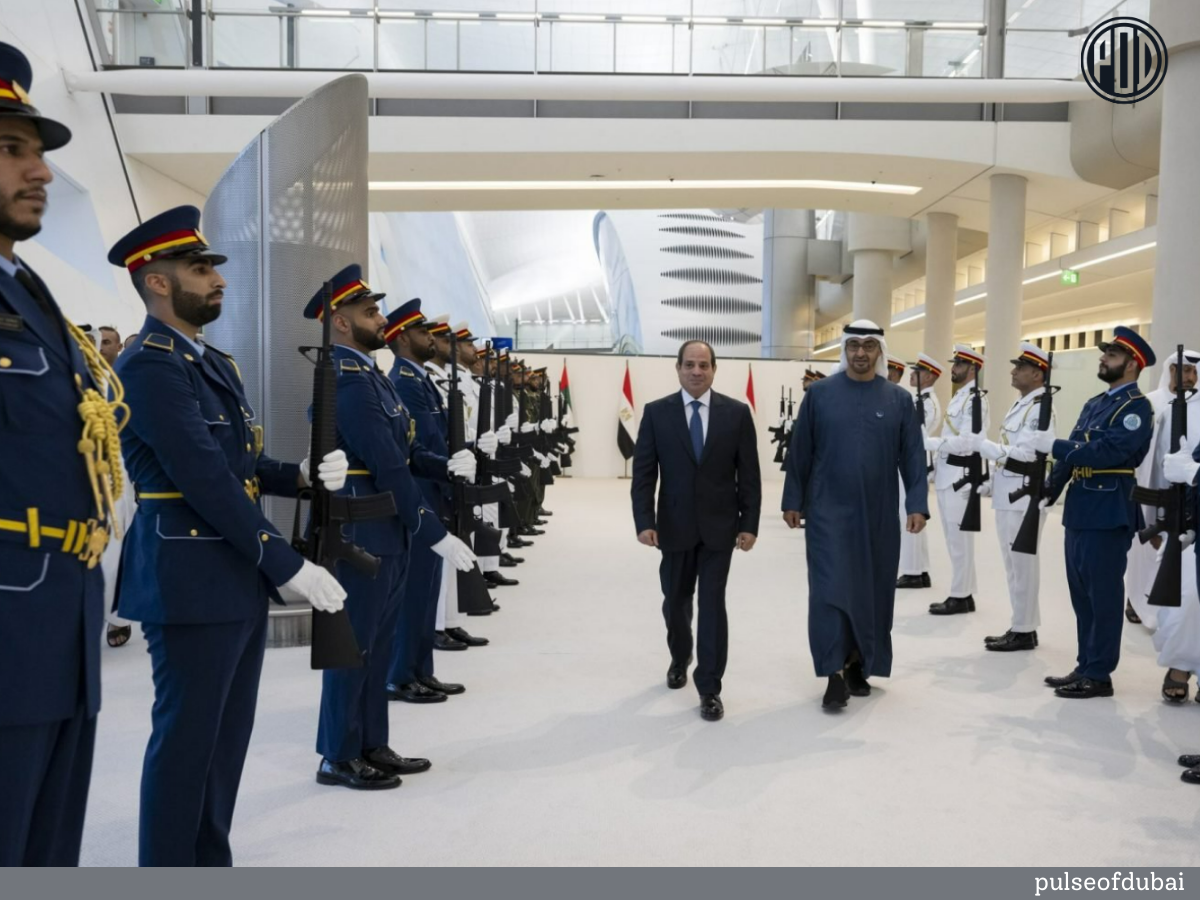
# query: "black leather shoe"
508, 561
516, 543
1191, 776
926, 581
1190, 760
856, 682
1013, 640
357, 775
912, 581
711, 707
530, 531
952, 606
837, 695
385, 759
542, 511
677, 674
464, 637
414, 692
495, 579
443, 641
441, 687
1057, 681
1084, 689
538, 523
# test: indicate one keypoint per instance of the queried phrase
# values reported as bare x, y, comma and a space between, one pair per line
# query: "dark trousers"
1096, 577
679, 572
354, 714
412, 649
205, 693
44, 774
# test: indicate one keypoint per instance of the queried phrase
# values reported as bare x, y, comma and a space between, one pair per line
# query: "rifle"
781, 454
487, 538
977, 472
921, 401
1172, 505
779, 432
333, 642
1034, 474
473, 596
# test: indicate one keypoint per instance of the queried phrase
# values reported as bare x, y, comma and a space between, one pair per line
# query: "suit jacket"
199, 549
51, 604
710, 500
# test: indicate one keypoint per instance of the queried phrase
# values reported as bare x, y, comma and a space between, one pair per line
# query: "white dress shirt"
705, 401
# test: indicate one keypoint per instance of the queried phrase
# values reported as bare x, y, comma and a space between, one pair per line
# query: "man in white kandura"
955, 440
1022, 570
914, 546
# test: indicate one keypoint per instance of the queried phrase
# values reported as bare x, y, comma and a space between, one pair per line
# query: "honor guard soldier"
1017, 434
1097, 462
895, 368
59, 479
411, 673
201, 560
377, 434
914, 548
956, 440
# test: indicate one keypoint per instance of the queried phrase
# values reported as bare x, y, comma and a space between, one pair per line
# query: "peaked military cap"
174, 234
16, 80
348, 286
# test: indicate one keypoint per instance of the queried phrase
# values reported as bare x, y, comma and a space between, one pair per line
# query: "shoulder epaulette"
407, 372
349, 365
160, 342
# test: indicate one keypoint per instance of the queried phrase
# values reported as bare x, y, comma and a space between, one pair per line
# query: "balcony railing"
677, 37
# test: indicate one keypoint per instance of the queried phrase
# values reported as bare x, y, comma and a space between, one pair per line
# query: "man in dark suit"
703, 446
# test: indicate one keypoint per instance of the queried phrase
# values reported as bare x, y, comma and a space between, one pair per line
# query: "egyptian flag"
626, 438
564, 397
750, 387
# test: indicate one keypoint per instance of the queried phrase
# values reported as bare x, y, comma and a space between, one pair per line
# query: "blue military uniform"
199, 564
53, 525
1095, 465
377, 435
412, 656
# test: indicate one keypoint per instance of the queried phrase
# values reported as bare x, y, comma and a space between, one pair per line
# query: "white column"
873, 241
1174, 319
1006, 246
941, 261
788, 296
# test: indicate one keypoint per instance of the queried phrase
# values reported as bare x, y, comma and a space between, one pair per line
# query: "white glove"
548, 426
504, 434
511, 422
1045, 504
487, 442
1187, 539
933, 445
990, 450
455, 552
462, 464
332, 471
525, 470
959, 445
528, 427
317, 586
1043, 442
985, 489
1180, 468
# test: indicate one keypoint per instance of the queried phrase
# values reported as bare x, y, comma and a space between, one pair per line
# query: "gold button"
265, 538
189, 357
194, 533
247, 448
222, 418
5, 362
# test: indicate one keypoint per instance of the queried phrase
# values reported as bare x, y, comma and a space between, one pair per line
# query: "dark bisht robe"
849, 441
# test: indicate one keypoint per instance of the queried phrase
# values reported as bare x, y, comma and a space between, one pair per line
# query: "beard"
1110, 376
13, 229
195, 309
423, 352
371, 338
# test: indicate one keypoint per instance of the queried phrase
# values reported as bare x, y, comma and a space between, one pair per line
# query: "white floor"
568, 749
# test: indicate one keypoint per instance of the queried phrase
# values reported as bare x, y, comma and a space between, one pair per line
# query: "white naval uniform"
952, 504
1022, 570
447, 611
1177, 638
1142, 562
914, 548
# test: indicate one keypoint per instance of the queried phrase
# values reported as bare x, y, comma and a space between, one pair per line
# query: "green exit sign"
1069, 276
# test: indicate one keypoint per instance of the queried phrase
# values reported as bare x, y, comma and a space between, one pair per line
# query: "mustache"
215, 295
31, 194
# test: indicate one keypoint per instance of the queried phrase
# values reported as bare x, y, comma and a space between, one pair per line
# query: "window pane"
952, 54
335, 43
874, 51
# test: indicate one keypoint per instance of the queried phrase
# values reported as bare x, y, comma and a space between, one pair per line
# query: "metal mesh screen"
290, 212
